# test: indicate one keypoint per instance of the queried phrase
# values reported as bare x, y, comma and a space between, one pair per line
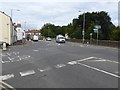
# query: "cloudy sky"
35, 13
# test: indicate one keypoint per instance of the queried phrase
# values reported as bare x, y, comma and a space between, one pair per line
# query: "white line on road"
72, 62
85, 59
102, 60
100, 70
77, 61
5, 62
10, 59
60, 65
45, 69
9, 54
109, 60
5, 77
6, 85
36, 50
25, 73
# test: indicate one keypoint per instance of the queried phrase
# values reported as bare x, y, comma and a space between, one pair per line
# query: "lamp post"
48, 31
83, 32
12, 12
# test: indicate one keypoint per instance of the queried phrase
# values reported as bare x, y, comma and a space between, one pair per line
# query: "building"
20, 32
31, 33
7, 32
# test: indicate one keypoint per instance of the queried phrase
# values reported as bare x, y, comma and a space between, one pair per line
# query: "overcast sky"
59, 12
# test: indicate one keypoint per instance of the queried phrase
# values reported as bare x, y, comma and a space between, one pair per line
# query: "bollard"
4, 46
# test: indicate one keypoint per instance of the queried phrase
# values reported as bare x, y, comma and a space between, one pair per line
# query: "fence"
108, 43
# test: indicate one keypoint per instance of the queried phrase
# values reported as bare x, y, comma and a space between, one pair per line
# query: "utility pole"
83, 32
83, 27
12, 12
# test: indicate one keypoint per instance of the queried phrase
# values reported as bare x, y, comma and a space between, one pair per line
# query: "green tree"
115, 35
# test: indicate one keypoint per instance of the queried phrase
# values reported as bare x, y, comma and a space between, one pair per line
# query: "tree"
74, 29
115, 35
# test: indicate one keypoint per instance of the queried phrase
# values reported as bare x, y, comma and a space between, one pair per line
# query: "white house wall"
20, 33
6, 29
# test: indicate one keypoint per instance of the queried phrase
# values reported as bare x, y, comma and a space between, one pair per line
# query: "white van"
60, 39
35, 38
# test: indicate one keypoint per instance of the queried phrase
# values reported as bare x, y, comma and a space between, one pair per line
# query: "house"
7, 32
31, 33
20, 32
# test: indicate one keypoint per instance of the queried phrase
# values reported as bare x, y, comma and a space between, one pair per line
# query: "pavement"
47, 64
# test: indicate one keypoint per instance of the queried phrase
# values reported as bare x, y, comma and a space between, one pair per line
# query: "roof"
33, 31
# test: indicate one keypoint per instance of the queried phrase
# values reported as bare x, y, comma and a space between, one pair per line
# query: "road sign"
98, 27
95, 30
83, 32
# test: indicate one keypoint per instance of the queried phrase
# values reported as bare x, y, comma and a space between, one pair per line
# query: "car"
35, 38
60, 39
48, 39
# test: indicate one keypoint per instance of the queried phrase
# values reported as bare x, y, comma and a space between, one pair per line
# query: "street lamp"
12, 11
83, 32
48, 31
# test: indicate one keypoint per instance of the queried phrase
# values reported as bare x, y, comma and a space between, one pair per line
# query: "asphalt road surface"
47, 64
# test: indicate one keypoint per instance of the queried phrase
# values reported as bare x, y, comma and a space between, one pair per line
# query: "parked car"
48, 39
60, 39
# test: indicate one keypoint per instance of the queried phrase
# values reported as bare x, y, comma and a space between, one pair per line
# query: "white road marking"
72, 62
36, 50
109, 60
29, 56
10, 58
102, 60
17, 58
2, 61
5, 84
77, 61
60, 65
5, 62
45, 69
3, 55
24, 57
16, 53
100, 70
25, 73
113, 61
9, 54
5, 77
85, 59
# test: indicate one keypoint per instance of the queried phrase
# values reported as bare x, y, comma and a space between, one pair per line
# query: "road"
47, 64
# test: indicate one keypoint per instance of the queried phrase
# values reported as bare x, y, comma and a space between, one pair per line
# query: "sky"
34, 14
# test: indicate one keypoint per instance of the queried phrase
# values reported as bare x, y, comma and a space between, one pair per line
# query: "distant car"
48, 39
60, 39
35, 38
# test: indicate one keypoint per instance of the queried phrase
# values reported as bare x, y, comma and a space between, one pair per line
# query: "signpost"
90, 38
83, 33
96, 31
